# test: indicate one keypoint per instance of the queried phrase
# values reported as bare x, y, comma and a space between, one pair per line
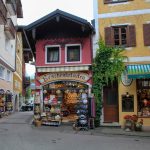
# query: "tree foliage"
107, 65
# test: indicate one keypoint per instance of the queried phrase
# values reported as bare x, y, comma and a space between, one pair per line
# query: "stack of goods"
9, 105
37, 111
71, 97
1, 101
82, 112
52, 114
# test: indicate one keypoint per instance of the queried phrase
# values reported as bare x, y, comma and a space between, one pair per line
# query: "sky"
35, 9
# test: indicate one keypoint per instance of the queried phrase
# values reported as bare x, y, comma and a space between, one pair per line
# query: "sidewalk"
119, 131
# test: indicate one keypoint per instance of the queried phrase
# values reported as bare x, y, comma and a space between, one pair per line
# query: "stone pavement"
26, 118
100, 131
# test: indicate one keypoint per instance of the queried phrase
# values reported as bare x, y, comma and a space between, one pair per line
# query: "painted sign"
50, 77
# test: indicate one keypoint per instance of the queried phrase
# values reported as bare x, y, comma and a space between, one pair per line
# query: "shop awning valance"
138, 71
62, 69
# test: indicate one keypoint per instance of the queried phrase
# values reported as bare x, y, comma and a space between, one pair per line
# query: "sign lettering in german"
82, 77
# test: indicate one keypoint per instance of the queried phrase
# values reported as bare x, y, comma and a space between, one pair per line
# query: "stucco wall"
40, 53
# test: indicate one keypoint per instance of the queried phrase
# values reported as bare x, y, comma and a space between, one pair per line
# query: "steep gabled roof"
60, 13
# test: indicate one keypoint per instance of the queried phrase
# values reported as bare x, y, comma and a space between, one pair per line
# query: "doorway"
110, 99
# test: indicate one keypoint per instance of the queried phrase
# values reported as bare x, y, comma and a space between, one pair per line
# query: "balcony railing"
10, 29
3, 13
11, 6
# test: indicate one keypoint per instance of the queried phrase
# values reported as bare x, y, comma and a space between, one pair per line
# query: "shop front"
6, 102
135, 93
61, 94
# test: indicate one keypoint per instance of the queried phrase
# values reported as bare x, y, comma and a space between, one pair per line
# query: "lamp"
127, 94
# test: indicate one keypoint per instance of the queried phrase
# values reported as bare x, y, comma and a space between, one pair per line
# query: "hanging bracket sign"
50, 77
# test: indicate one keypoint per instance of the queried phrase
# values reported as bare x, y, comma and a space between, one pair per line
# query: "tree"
107, 65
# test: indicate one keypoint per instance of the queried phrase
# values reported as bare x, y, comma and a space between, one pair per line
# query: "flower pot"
129, 125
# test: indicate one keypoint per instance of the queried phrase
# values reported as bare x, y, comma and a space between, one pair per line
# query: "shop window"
2, 72
52, 54
115, 1
73, 53
127, 103
143, 97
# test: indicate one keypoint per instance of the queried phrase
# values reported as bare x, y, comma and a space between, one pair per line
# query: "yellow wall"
118, 7
17, 78
138, 51
138, 21
132, 91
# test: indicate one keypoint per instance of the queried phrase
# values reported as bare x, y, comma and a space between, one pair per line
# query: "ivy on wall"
107, 65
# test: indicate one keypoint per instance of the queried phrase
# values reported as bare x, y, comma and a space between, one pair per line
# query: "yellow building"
17, 77
126, 23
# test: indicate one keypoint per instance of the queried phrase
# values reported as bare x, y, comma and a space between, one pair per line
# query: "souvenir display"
2, 103
8, 101
65, 102
82, 111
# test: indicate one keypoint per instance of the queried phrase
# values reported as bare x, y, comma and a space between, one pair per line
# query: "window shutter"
131, 36
107, 1
108, 36
146, 34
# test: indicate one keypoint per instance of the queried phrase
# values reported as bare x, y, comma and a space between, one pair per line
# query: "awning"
63, 69
138, 71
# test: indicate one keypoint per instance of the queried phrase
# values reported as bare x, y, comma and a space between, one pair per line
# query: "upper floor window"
8, 75
52, 54
115, 1
73, 53
120, 36
2, 72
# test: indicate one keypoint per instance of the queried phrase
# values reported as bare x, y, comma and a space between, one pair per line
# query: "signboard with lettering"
50, 77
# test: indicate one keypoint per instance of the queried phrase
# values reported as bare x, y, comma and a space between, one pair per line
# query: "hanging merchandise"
82, 112
2, 102
9, 104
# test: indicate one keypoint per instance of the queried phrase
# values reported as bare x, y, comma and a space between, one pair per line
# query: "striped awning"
138, 71
62, 69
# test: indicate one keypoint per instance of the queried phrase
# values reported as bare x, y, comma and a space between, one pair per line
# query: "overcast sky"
35, 9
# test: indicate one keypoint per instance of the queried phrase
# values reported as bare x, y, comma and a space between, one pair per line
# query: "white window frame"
46, 47
3, 73
8, 77
66, 53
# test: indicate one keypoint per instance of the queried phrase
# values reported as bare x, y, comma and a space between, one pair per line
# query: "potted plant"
130, 121
138, 125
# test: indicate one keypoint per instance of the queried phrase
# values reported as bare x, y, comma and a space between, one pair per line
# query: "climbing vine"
107, 65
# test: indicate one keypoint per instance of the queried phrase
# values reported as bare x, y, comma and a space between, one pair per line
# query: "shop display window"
60, 101
143, 97
127, 103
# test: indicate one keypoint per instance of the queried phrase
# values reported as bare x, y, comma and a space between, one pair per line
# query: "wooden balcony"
3, 13
10, 29
11, 7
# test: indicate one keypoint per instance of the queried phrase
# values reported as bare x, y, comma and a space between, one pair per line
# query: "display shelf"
52, 123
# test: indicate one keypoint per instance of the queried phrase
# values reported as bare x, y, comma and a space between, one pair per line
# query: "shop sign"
81, 77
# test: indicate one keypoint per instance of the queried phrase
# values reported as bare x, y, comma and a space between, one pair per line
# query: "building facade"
10, 10
17, 76
126, 23
63, 60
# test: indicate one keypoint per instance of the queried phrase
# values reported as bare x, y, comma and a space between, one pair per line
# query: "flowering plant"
133, 118
134, 123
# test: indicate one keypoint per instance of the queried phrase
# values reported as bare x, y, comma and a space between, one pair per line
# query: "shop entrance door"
110, 98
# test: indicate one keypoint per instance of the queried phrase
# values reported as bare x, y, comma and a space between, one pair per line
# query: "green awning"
138, 71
